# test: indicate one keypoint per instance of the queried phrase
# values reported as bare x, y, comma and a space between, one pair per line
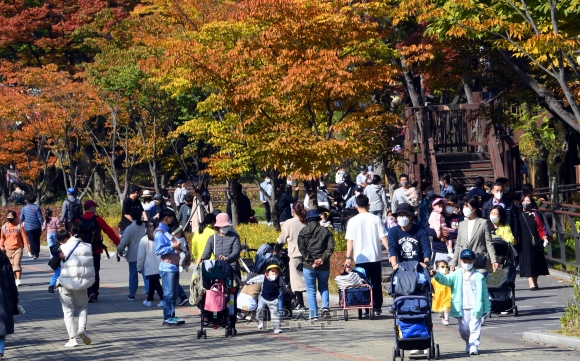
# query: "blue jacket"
163, 247
455, 281
32, 214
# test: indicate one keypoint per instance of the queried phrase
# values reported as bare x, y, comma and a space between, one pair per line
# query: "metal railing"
559, 218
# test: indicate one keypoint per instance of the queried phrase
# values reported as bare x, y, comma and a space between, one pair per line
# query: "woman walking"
51, 224
534, 239
148, 264
474, 233
200, 238
77, 274
8, 301
130, 243
12, 241
290, 231
316, 245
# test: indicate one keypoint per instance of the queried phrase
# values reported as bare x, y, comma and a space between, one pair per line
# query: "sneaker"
18, 282
473, 350
183, 302
314, 320
325, 312
93, 298
160, 304
378, 312
277, 330
131, 298
365, 314
444, 322
71, 343
148, 303
300, 308
260, 325
83, 335
50, 289
178, 320
170, 322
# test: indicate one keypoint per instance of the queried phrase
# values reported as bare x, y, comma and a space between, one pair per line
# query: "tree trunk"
233, 193
467, 88
414, 93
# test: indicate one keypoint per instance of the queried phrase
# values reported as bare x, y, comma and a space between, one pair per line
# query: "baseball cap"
157, 196
467, 254
359, 188
405, 208
70, 191
135, 188
312, 214
180, 181
90, 203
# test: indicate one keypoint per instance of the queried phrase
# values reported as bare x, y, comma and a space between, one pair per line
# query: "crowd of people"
453, 230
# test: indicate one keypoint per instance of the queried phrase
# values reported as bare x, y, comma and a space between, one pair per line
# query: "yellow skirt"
441, 298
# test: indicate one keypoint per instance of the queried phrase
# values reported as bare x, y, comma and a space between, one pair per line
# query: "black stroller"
412, 293
502, 293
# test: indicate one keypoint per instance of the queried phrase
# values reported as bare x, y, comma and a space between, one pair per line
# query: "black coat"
8, 296
284, 209
315, 242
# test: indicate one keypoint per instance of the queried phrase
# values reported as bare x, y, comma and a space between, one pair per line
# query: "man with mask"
407, 241
499, 199
266, 186
399, 196
428, 198
361, 179
346, 188
129, 203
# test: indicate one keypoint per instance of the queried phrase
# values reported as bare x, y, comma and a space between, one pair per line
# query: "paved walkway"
123, 330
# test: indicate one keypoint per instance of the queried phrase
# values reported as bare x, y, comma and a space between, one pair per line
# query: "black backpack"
75, 210
91, 232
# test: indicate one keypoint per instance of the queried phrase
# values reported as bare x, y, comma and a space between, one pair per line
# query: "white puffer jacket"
147, 260
78, 272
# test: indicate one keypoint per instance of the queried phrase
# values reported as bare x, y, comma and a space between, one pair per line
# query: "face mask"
404, 183
487, 191
449, 210
498, 195
467, 266
268, 181
225, 230
467, 212
272, 277
403, 221
356, 194
494, 219
431, 193
438, 209
442, 270
527, 206
441, 183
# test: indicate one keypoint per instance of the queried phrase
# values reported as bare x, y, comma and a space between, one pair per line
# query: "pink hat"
222, 220
437, 200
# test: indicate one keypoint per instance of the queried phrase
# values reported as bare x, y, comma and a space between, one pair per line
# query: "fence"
560, 217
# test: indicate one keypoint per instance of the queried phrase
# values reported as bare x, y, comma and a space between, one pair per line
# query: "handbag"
215, 298
54, 262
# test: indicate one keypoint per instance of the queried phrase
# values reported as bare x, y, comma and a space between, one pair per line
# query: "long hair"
208, 220
298, 208
48, 214
150, 230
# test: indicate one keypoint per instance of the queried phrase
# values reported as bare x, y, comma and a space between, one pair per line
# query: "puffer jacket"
147, 260
78, 272
315, 242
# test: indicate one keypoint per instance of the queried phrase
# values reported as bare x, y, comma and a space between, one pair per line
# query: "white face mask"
467, 266
225, 230
442, 270
449, 210
403, 221
268, 181
272, 277
467, 212
441, 183
498, 195
494, 219
487, 191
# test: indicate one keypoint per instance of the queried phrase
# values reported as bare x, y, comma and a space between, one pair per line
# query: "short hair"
362, 201
498, 184
75, 228
62, 235
188, 197
166, 212
502, 214
425, 185
479, 181
489, 184
502, 180
136, 214
447, 177
403, 176
441, 261
376, 179
527, 188
13, 213
30, 198
451, 197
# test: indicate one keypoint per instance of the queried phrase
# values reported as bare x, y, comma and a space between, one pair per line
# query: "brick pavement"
123, 330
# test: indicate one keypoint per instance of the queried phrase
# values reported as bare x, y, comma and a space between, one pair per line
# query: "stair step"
480, 161
455, 170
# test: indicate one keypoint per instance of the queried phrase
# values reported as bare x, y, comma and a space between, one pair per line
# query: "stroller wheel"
204, 334
437, 354
199, 333
345, 315
394, 354
227, 331
516, 311
371, 313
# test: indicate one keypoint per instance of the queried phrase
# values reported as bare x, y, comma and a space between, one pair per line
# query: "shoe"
183, 302
260, 325
314, 320
473, 350
300, 308
365, 314
378, 312
148, 303
83, 335
181, 270
160, 304
444, 322
131, 298
71, 343
416, 352
178, 320
325, 312
170, 322
93, 298
35, 257
50, 289
533, 288
18, 282
277, 330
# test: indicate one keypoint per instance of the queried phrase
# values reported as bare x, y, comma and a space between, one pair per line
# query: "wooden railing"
559, 218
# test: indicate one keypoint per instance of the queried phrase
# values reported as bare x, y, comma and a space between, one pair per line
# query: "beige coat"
199, 212
290, 230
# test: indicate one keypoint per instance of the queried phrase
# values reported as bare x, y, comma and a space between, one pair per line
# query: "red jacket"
105, 228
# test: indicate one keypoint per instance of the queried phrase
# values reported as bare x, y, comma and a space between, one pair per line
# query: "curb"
559, 274
552, 339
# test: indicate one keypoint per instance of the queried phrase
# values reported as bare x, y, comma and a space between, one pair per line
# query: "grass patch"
570, 320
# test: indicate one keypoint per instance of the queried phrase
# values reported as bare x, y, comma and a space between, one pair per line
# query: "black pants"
94, 289
154, 285
268, 212
34, 240
374, 273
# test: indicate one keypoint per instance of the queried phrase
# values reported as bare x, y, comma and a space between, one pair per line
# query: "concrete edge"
552, 339
559, 274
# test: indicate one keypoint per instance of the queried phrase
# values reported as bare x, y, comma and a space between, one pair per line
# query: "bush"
570, 320
256, 235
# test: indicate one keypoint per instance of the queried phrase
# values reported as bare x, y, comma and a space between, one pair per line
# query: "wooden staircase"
464, 167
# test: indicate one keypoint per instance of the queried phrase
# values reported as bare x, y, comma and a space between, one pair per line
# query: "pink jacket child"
437, 222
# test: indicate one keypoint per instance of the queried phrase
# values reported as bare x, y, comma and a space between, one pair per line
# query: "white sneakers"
444, 321
18, 282
277, 330
473, 350
148, 303
71, 343
160, 304
260, 325
83, 335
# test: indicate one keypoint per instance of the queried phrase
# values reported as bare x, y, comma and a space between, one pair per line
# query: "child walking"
148, 264
51, 224
442, 296
437, 223
272, 283
62, 236
469, 299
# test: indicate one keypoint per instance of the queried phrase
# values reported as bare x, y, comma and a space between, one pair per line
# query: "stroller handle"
402, 298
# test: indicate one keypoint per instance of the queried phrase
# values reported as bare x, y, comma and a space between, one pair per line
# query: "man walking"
31, 216
266, 185
92, 227
71, 208
168, 248
399, 196
179, 195
407, 241
131, 202
364, 234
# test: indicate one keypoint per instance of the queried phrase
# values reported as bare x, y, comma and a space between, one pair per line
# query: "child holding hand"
442, 295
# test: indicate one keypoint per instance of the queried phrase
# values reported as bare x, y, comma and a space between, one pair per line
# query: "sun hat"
222, 220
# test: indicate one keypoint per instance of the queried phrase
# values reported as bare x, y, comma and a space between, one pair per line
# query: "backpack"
75, 210
91, 232
205, 196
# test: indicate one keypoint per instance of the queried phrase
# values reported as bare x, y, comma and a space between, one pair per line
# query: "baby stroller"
412, 292
502, 293
217, 304
357, 294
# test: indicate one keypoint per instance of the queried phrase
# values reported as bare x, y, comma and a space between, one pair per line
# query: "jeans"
145, 283
374, 272
2, 344
281, 303
34, 240
71, 300
133, 279
377, 213
310, 277
55, 276
170, 285
95, 287
51, 239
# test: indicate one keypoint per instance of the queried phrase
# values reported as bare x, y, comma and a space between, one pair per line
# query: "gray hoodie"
377, 197
130, 241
